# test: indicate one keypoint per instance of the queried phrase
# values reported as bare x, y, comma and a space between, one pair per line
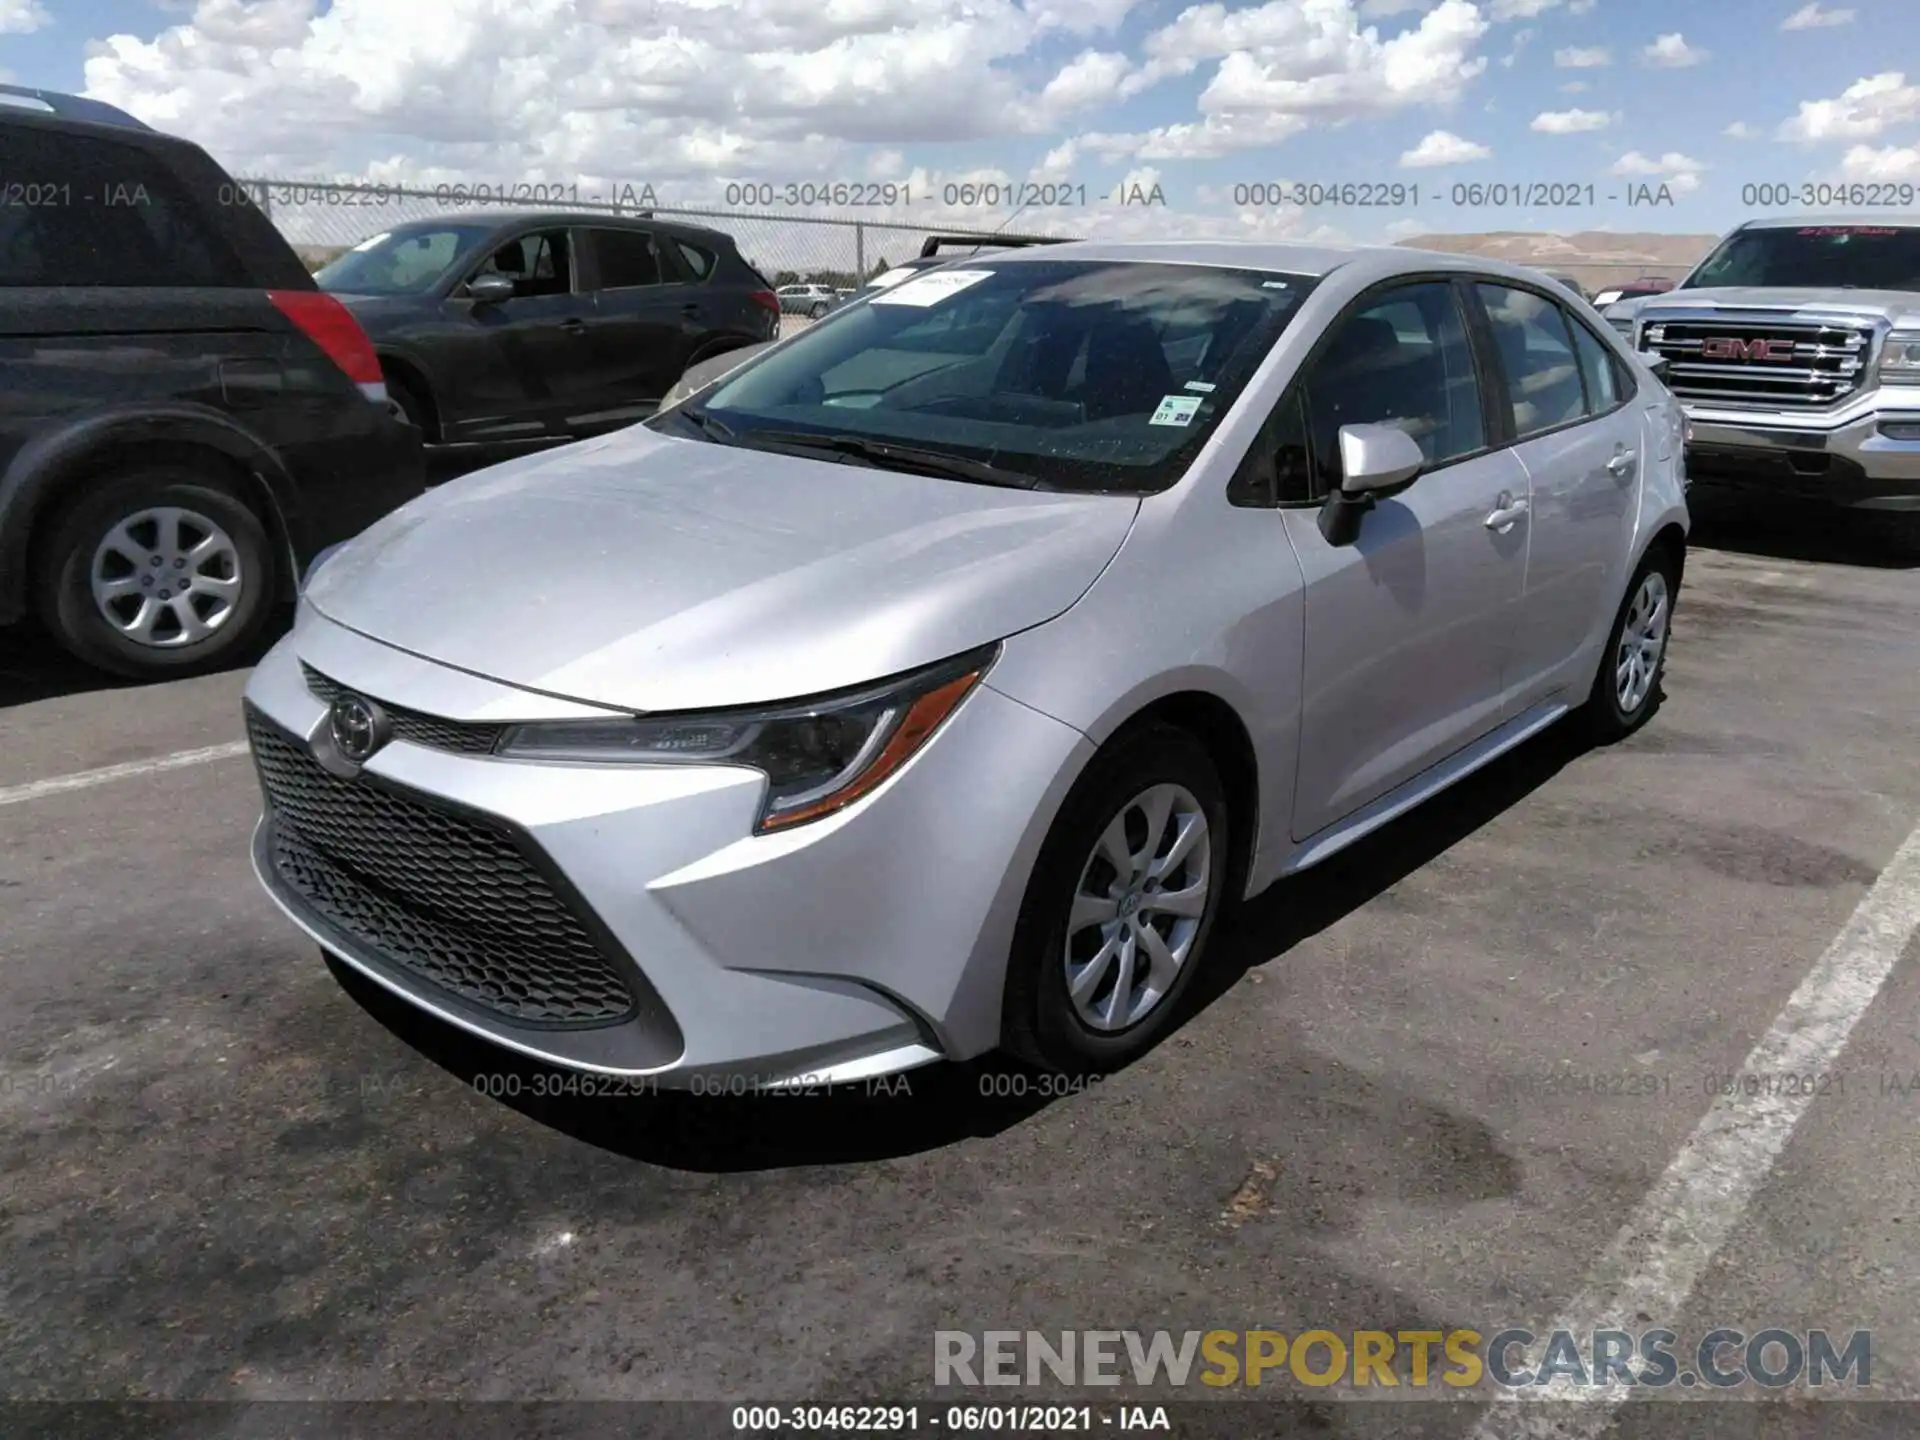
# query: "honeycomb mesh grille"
461, 737
447, 898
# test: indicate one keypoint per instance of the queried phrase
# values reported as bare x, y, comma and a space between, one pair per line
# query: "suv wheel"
1627, 690
411, 405
159, 572
1120, 907
819, 310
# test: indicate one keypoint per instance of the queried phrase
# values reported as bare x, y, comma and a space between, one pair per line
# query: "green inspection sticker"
1175, 410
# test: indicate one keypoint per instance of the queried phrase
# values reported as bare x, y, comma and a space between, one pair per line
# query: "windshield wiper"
714, 429
887, 455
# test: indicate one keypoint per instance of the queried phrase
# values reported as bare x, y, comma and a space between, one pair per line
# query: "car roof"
1365, 262
1805, 222
518, 219
25, 102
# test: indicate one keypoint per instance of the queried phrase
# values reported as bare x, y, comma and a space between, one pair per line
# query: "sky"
1272, 120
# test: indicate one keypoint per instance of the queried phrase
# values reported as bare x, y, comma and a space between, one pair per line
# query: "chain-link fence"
323, 219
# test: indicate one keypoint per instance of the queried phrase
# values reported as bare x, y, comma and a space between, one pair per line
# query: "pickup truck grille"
1769, 364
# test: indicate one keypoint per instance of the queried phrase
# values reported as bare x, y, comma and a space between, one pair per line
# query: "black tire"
1039, 1023
411, 403
1608, 717
818, 312
64, 574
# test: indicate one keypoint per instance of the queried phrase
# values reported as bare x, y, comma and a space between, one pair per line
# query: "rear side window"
1598, 369
626, 259
1531, 334
80, 210
699, 261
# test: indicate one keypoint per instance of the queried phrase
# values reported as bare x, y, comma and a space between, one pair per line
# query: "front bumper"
1867, 455
860, 945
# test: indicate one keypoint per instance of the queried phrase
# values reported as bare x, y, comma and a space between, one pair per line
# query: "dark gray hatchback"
185, 418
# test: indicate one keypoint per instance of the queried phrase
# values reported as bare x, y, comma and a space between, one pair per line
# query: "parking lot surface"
231, 1176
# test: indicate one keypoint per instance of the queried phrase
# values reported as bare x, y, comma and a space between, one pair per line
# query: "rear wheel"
411, 404
1122, 902
157, 572
818, 311
1627, 690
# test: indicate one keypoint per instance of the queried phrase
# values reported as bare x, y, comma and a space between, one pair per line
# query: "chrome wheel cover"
1643, 642
1137, 908
166, 578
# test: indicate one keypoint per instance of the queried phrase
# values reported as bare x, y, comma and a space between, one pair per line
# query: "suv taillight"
331, 326
766, 300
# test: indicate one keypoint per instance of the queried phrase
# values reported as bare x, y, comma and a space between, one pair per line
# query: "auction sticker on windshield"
931, 289
892, 278
1175, 410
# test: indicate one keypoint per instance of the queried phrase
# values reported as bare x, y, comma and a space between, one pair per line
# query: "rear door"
1406, 627
1565, 404
647, 313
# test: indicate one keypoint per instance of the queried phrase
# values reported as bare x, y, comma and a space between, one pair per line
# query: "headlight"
1901, 359
819, 755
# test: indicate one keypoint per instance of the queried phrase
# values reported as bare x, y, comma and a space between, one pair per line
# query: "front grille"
454, 900
461, 737
1806, 364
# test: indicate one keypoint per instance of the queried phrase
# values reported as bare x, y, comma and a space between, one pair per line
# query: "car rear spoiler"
67, 107
934, 244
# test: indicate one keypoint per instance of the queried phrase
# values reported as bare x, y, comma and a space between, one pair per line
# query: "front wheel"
1122, 902
1627, 690
156, 573
818, 312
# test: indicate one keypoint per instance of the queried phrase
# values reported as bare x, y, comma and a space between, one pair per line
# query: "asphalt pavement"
231, 1175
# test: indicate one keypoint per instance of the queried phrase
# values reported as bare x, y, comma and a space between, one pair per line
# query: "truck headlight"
819, 755
1900, 360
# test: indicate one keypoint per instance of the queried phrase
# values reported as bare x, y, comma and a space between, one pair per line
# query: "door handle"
573, 326
692, 308
1621, 465
1506, 512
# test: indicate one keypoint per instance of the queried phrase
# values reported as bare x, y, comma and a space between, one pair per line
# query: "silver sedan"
937, 680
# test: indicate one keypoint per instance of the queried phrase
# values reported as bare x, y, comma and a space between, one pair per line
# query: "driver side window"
1402, 359
538, 264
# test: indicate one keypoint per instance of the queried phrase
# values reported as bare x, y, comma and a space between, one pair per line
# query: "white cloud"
1404, 230
1865, 163
1289, 64
1091, 79
22, 17
1521, 39
1582, 57
1740, 130
1680, 173
1672, 52
1443, 147
1575, 87
1811, 17
1502, 10
1862, 111
1372, 9
669, 91
1580, 7
1570, 122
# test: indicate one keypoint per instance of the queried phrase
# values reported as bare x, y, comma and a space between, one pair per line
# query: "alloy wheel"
1643, 641
1137, 908
166, 577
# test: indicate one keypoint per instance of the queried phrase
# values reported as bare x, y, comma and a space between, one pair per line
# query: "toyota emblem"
359, 728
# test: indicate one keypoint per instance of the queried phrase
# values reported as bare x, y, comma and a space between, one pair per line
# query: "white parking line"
87, 779
1654, 1262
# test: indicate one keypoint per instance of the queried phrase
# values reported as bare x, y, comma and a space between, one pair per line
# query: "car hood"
642, 572
1900, 306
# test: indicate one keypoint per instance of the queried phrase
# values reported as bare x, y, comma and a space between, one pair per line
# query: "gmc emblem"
1729, 347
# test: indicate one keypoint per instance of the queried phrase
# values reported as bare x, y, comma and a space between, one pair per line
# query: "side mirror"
1377, 457
1373, 459
1657, 363
490, 289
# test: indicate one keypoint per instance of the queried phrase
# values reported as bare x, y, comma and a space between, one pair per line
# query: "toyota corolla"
936, 682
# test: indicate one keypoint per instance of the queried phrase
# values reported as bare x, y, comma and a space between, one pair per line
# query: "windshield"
1819, 257
1080, 375
401, 262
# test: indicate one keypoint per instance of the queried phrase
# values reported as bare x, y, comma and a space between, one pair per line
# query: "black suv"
185, 417
512, 327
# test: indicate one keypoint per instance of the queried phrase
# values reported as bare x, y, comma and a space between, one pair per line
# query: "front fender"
43, 471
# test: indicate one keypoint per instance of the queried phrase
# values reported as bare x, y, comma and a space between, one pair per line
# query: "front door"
1405, 628
645, 314
519, 364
